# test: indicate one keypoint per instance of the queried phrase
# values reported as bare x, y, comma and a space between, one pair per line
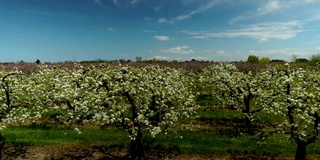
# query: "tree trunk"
1, 147
136, 148
136, 145
301, 151
246, 111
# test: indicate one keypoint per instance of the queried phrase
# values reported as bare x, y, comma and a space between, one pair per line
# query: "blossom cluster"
233, 88
293, 93
141, 100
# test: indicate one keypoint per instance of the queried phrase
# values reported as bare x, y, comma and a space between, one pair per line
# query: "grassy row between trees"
152, 109
208, 137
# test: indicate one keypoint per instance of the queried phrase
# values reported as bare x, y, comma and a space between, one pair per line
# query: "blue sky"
218, 30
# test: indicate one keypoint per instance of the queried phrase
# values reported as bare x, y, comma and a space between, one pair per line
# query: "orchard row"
149, 100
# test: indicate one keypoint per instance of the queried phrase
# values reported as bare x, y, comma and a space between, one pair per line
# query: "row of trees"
291, 93
314, 59
149, 100
141, 101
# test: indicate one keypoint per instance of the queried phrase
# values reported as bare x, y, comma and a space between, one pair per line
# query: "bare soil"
85, 152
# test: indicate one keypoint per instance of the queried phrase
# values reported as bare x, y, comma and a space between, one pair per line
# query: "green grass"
226, 142
212, 112
219, 115
183, 141
270, 117
208, 101
200, 141
54, 135
234, 116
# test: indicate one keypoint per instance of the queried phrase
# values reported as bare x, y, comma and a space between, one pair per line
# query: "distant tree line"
313, 60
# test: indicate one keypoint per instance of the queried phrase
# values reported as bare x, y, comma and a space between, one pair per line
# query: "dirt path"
82, 152
66, 152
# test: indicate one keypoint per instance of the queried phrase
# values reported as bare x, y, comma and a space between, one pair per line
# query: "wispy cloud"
116, 2
164, 20
157, 8
161, 57
149, 31
236, 19
314, 17
286, 53
275, 5
162, 38
147, 18
45, 13
110, 29
198, 10
99, 3
179, 50
121, 3
208, 4
134, 1
220, 52
260, 31
276, 9
271, 6
311, 42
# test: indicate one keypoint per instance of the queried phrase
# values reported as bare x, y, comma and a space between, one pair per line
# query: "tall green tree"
264, 60
138, 59
253, 59
315, 59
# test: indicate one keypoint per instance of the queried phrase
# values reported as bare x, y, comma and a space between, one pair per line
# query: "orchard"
152, 101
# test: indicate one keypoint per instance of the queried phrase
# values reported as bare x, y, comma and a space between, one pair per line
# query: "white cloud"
147, 18
200, 9
275, 5
110, 29
161, 57
184, 58
179, 50
98, 2
259, 31
164, 20
162, 38
158, 7
116, 2
134, 1
182, 17
221, 55
303, 10
271, 6
184, 53
220, 52
314, 17
45, 13
286, 53
149, 31
236, 19
311, 42
300, 2
200, 58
